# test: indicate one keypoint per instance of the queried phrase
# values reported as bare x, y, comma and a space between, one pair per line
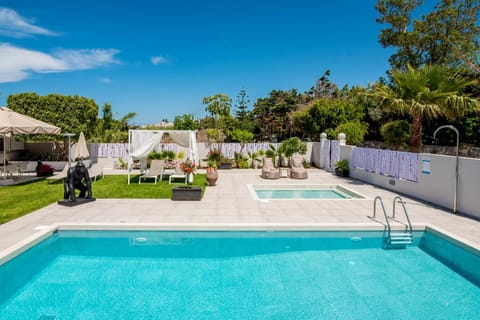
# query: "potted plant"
43, 169
255, 158
240, 160
225, 163
342, 168
189, 168
291, 146
212, 174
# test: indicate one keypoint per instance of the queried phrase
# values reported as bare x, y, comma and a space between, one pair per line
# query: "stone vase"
190, 178
212, 176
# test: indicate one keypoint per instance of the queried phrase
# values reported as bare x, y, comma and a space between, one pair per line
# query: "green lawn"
16, 201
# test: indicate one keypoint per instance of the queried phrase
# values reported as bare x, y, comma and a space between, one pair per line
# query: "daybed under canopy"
142, 142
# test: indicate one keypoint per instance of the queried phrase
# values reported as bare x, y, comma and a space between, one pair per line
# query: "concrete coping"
46, 231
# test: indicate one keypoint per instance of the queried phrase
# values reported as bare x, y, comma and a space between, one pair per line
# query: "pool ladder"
395, 238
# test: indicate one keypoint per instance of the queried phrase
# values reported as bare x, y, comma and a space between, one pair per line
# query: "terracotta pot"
212, 176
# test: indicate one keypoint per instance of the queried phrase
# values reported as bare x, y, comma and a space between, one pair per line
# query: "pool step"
400, 238
395, 239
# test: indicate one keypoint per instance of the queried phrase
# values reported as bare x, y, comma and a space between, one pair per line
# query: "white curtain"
142, 142
187, 139
193, 148
141, 149
181, 138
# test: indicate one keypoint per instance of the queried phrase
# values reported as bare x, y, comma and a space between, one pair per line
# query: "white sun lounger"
179, 174
156, 170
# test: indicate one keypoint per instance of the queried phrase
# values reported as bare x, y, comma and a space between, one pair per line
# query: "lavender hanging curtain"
325, 154
401, 165
229, 149
334, 153
109, 150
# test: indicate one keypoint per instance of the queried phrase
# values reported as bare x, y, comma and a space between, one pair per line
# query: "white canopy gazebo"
142, 142
12, 122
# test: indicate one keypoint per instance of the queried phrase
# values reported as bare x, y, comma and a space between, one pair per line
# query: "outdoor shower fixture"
456, 161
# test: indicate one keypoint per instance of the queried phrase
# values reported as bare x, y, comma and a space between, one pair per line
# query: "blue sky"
160, 58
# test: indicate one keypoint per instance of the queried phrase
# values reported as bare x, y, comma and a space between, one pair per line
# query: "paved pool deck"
230, 205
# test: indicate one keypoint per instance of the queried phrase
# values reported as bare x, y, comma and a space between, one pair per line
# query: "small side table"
284, 172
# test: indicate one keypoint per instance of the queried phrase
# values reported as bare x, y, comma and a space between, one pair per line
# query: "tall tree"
70, 113
324, 115
107, 117
241, 111
323, 88
273, 114
428, 92
184, 122
447, 35
241, 105
218, 106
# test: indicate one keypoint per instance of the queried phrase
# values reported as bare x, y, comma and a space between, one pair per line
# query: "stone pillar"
323, 149
342, 139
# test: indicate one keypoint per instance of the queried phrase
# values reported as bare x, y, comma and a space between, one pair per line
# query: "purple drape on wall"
228, 149
334, 152
325, 155
401, 165
120, 150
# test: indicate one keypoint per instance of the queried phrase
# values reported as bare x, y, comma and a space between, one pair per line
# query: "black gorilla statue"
77, 178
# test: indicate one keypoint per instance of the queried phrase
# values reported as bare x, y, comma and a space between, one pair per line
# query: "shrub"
215, 155
44, 169
342, 165
342, 169
396, 134
155, 155
292, 146
168, 154
354, 131
270, 153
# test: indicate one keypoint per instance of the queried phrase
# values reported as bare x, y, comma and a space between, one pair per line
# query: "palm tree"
428, 92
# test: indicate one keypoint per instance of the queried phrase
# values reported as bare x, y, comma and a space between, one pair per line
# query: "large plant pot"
225, 165
211, 176
186, 193
341, 173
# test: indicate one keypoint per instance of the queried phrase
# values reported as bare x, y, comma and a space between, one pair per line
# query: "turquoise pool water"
238, 275
300, 194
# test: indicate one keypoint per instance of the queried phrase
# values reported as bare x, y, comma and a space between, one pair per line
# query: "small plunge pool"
302, 192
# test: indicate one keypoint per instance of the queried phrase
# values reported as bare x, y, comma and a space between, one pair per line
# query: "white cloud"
18, 63
87, 58
16, 26
158, 60
105, 80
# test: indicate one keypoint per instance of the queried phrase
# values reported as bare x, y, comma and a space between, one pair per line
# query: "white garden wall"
436, 184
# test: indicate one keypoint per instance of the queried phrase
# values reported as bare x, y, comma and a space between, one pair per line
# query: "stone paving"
230, 204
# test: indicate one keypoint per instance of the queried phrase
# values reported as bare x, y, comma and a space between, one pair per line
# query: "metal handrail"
404, 210
384, 212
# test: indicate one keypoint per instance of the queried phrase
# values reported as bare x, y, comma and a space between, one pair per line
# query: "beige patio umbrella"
80, 149
12, 122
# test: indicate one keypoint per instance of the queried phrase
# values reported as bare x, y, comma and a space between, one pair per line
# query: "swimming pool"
238, 275
302, 192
